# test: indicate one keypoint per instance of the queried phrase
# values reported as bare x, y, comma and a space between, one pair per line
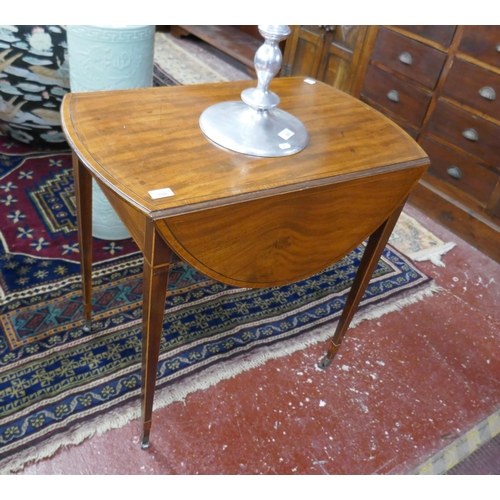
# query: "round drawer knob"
454, 172
498, 47
393, 95
470, 134
405, 58
488, 93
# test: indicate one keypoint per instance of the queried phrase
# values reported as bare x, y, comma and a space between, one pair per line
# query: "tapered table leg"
83, 191
157, 261
374, 248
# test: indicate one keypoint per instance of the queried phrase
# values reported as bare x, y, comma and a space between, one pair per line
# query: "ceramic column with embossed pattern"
109, 58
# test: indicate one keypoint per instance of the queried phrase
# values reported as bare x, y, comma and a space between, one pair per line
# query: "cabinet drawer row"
458, 170
482, 43
395, 95
440, 34
474, 86
421, 63
469, 132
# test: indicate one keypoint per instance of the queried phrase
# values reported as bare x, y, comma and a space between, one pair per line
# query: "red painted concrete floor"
402, 388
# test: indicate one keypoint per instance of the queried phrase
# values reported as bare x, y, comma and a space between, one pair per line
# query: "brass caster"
145, 439
325, 363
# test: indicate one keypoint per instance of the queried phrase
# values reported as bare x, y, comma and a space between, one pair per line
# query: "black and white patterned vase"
34, 77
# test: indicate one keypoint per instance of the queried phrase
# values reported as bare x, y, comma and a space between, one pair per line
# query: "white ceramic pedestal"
109, 58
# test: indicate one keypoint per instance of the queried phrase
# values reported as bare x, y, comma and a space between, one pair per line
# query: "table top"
140, 140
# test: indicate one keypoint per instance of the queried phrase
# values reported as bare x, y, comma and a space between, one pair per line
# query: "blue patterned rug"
58, 384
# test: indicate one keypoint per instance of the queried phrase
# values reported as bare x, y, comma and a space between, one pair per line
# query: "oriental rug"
184, 61
416, 242
60, 385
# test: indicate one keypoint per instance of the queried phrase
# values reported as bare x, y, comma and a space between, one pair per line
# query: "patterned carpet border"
182, 61
39, 251
82, 384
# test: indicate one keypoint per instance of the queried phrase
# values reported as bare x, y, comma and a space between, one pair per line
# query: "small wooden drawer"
474, 86
396, 96
408, 57
439, 34
483, 43
459, 171
469, 132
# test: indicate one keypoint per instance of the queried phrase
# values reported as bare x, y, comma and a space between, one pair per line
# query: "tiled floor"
484, 461
402, 388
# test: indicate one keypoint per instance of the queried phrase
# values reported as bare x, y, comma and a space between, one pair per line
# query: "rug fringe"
433, 254
114, 419
260, 356
178, 392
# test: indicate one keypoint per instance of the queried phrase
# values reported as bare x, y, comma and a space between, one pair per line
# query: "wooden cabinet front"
457, 69
332, 54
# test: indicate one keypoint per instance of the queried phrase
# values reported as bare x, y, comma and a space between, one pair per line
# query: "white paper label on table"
161, 193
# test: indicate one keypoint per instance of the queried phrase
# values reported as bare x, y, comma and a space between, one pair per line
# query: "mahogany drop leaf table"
243, 220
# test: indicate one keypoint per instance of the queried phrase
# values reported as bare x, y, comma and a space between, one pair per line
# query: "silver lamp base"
255, 126
265, 132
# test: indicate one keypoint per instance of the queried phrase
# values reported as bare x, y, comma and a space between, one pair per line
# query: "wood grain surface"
244, 220
282, 239
144, 139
